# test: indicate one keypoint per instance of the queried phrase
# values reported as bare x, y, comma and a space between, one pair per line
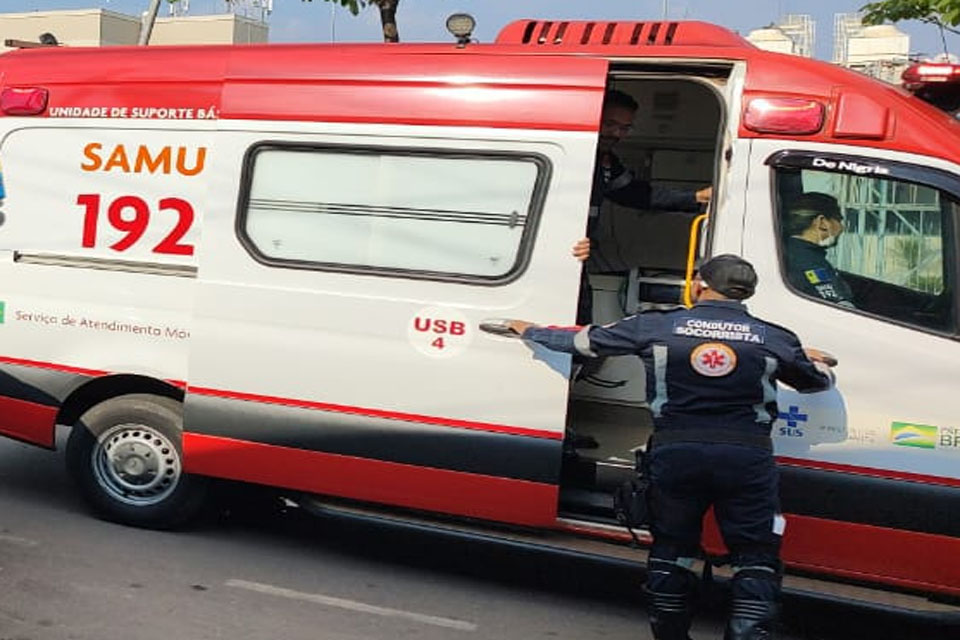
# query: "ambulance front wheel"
126, 457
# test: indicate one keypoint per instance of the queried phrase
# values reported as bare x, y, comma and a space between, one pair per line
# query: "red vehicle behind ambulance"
272, 264
937, 83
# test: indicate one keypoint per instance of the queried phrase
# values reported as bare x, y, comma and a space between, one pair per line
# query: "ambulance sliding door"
876, 466
338, 348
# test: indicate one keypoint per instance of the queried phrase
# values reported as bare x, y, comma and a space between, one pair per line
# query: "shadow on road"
35, 477
605, 580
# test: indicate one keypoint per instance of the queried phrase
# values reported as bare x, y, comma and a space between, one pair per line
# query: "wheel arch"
95, 391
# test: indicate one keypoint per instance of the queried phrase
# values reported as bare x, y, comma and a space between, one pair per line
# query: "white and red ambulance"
271, 264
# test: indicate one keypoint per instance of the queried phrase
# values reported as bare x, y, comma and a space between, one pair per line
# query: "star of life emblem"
713, 359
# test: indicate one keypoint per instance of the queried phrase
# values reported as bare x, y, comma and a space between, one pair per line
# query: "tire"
127, 459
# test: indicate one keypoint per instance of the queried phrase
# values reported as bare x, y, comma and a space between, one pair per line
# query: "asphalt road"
245, 572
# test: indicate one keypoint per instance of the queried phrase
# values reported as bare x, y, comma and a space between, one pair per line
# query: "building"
794, 34
801, 29
99, 27
772, 38
222, 28
881, 51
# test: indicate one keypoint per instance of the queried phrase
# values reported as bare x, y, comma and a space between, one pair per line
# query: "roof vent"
528, 31
544, 31
558, 38
587, 32
652, 35
578, 34
608, 33
671, 32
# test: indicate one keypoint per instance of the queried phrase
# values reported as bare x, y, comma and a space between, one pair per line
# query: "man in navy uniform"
814, 223
712, 372
615, 182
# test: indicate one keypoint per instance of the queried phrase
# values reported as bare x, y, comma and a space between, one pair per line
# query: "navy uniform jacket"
810, 272
712, 366
620, 185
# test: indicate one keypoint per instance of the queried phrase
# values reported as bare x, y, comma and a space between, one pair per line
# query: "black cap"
804, 209
729, 275
822, 203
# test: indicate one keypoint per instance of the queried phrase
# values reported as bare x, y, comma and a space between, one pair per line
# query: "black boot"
754, 592
670, 615
751, 620
670, 592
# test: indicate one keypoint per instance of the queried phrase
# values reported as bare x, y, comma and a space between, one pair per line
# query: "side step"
806, 598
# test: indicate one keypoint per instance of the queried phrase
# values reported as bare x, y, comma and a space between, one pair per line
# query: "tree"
146, 25
388, 14
943, 13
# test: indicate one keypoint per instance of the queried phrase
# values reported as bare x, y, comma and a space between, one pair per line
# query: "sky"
422, 20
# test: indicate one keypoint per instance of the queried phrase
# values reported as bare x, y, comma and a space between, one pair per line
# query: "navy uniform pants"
740, 482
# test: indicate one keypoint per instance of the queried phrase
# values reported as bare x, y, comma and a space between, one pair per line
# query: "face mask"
829, 241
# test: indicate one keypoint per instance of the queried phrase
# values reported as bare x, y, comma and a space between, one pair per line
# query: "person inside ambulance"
712, 372
813, 224
613, 181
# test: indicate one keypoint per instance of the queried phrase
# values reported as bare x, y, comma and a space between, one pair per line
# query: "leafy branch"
945, 14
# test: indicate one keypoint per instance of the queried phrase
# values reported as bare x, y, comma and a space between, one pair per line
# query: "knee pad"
758, 583
670, 578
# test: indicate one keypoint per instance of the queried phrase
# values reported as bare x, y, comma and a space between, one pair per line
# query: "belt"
712, 436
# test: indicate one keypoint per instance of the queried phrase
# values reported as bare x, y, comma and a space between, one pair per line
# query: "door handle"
498, 327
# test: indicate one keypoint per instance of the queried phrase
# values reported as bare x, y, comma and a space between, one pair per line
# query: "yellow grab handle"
692, 257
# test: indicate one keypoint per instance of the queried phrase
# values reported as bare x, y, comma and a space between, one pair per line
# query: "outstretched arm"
626, 189
643, 195
806, 370
619, 338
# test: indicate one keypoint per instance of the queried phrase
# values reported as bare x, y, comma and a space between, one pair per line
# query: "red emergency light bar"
795, 116
919, 74
28, 101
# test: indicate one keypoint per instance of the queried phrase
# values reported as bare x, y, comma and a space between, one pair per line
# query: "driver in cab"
814, 223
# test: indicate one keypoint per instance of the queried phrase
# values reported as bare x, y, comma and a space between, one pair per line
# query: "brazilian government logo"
907, 434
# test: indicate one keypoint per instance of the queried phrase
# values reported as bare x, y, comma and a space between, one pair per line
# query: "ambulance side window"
874, 244
434, 215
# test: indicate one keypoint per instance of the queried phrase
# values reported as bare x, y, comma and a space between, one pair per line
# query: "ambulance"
288, 265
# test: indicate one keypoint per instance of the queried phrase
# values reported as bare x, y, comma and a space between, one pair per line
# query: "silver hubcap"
136, 465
